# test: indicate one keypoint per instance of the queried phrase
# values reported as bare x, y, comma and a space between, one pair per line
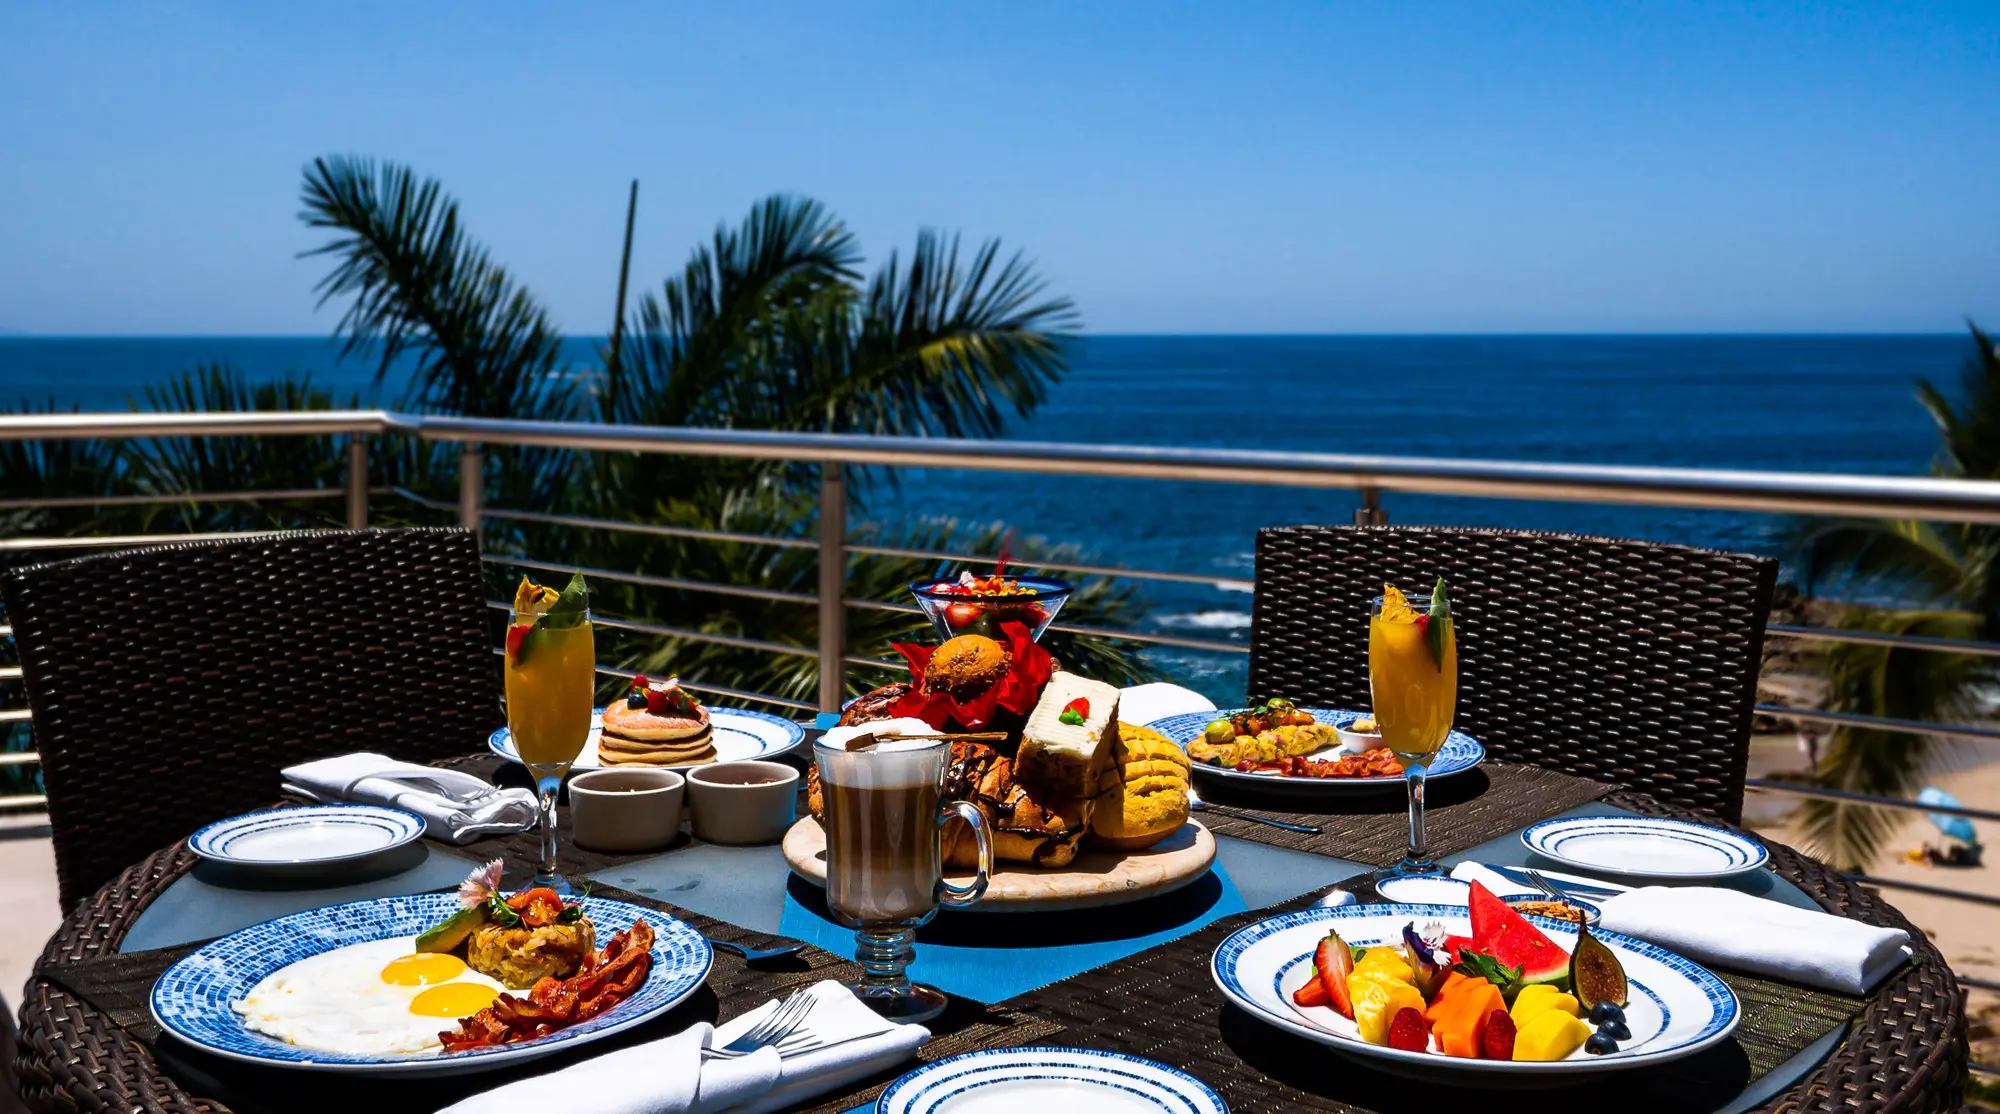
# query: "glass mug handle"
958, 897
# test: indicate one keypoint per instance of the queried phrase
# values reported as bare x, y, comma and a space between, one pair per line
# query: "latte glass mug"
885, 824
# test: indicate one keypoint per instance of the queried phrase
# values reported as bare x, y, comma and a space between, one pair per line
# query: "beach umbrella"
1957, 827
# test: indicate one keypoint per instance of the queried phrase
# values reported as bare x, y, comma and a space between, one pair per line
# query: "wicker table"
1906, 1052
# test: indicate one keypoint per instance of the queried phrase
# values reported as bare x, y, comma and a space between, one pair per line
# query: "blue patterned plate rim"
192, 999
1725, 1009
402, 826
1747, 854
501, 742
1204, 1100
1461, 752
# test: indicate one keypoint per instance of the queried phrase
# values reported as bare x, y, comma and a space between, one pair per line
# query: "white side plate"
313, 835
1645, 847
1047, 1080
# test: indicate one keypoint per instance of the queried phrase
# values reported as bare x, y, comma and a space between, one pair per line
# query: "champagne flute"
1413, 687
551, 676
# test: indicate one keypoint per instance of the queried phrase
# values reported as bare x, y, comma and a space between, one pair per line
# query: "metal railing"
1916, 497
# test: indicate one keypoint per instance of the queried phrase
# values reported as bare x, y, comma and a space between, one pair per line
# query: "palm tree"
767, 327
1946, 575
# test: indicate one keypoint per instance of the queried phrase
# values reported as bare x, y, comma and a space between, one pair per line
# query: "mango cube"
1550, 1035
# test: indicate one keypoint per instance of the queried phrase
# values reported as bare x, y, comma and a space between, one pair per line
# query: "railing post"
832, 586
357, 482
472, 489
1370, 512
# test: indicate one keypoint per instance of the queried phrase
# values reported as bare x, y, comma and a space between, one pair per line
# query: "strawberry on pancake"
658, 724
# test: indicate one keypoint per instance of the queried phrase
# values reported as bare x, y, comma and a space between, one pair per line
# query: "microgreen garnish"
496, 908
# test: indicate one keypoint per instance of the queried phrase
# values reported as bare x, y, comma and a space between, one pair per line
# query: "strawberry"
1313, 993
1334, 963
516, 635
1496, 1037
1409, 1033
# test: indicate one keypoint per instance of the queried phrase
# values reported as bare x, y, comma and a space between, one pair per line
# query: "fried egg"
380, 997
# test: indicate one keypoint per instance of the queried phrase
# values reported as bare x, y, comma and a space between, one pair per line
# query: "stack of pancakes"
638, 737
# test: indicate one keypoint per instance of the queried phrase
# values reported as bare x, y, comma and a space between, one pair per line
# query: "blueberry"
1600, 1045
636, 702
1606, 1011
1616, 1029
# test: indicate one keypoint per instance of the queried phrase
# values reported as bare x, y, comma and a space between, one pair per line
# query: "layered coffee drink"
882, 846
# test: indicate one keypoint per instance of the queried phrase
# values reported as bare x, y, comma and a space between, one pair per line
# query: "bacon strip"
605, 978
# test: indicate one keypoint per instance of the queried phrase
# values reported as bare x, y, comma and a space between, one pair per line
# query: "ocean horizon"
1780, 402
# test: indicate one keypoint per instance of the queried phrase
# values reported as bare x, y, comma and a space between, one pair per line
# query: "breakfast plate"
740, 735
198, 998
1676, 1007
1048, 1079
314, 835
1645, 847
1461, 752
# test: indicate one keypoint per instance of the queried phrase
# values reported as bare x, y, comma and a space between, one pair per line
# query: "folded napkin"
1730, 928
456, 806
1142, 704
669, 1076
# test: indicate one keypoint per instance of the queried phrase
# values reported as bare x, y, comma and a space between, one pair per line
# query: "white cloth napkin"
1733, 929
669, 1076
1142, 704
456, 806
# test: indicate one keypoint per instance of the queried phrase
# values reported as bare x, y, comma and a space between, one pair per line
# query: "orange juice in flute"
1413, 688
551, 678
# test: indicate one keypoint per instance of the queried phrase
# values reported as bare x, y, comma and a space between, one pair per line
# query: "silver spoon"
1197, 804
752, 955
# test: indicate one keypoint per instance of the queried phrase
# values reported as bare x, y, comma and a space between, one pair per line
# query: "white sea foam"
1210, 620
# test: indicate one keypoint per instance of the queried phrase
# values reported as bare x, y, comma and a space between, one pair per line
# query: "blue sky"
1295, 167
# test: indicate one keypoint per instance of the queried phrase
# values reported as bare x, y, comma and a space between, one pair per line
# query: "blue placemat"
990, 957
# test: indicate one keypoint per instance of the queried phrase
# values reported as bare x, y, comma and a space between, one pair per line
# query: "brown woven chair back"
1622, 661
170, 685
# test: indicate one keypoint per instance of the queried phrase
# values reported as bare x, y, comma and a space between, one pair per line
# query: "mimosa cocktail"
551, 676
1413, 687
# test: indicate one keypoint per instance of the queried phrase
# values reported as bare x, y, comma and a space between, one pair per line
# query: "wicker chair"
1623, 661
170, 685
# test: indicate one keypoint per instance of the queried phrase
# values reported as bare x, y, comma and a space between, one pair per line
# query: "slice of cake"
1071, 737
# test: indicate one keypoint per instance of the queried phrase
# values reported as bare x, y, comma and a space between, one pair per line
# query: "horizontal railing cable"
1926, 888
676, 583
25, 800
1095, 632
16, 715
649, 528
1878, 723
664, 631
1800, 789
101, 541
1224, 582
1880, 638
54, 502
19, 758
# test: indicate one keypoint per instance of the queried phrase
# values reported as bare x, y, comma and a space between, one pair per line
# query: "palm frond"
420, 287
1885, 558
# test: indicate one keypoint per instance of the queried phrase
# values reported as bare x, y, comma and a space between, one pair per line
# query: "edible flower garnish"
1430, 960
480, 885
538, 607
1075, 712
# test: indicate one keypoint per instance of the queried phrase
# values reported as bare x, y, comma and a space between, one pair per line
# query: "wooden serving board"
1093, 878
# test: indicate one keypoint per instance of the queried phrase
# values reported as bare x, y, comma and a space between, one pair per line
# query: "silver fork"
773, 1029
1542, 883
797, 1044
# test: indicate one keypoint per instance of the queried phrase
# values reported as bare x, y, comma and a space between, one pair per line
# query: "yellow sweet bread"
1147, 799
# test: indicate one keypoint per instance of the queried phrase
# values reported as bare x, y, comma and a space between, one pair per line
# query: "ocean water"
1800, 403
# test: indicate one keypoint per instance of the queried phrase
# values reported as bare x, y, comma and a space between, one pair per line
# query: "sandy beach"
1968, 934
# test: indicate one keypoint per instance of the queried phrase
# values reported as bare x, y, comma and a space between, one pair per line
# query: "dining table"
1133, 980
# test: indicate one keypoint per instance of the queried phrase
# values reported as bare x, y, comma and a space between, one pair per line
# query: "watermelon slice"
1499, 931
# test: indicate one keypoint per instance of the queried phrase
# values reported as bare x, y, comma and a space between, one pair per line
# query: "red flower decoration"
1006, 703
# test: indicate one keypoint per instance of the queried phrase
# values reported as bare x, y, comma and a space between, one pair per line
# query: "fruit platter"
1278, 746
1473, 996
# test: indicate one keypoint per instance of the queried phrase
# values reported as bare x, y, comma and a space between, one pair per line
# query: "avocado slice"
453, 932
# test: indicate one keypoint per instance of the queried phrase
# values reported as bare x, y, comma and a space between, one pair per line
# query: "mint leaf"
570, 605
1439, 624
1479, 965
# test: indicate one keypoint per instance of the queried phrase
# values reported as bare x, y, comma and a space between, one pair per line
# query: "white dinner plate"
1645, 847
740, 735
1677, 1007
193, 999
1045, 1081
1461, 752
314, 835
